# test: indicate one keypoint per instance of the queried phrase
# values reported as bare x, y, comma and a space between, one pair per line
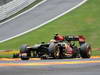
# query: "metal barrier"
13, 7
2, 2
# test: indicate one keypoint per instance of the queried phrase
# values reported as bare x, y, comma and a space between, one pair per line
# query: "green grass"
24, 9
84, 20
96, 53
6, 56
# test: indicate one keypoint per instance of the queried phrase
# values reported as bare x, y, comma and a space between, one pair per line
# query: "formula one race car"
57, 49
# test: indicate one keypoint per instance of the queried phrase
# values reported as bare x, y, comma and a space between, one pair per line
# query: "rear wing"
79, 38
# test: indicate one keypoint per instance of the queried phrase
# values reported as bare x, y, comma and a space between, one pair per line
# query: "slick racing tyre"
24, 56
23, 48
24, 52
54, 50
85, 51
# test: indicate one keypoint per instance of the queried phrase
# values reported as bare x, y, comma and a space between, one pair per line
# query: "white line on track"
24, 12
44, 22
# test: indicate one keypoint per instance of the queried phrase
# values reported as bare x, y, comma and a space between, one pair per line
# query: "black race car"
70, 47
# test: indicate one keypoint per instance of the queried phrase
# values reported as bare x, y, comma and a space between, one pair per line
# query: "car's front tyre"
85, 50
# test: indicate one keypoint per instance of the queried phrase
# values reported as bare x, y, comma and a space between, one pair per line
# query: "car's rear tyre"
85, 50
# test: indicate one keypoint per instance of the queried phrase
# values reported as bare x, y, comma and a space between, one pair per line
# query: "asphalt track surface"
52, 67
39, 15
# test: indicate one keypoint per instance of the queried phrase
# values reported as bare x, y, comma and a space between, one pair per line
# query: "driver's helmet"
58, 37
52, 40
